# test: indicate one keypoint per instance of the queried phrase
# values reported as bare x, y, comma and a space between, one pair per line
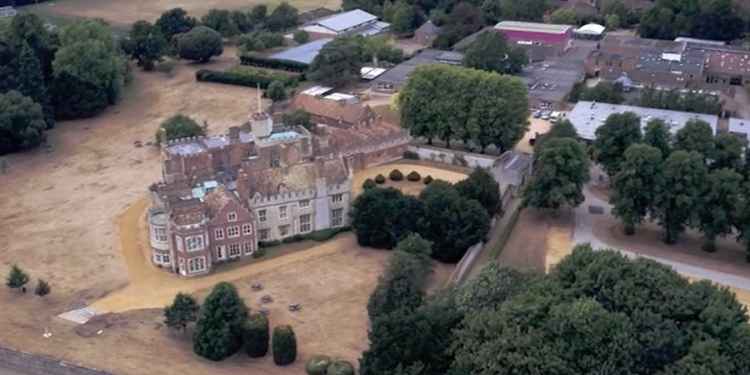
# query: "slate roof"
304, 53
346, 20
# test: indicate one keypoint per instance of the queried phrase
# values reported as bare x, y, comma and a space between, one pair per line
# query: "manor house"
222, 196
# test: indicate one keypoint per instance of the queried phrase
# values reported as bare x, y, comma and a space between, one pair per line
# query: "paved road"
4, 371
584, 234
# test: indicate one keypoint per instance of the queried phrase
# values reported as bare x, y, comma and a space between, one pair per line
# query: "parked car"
537, 114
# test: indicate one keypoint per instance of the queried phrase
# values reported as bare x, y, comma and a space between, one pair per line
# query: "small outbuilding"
426, 33
591, 31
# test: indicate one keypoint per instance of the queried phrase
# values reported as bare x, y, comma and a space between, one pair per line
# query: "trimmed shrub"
243, 76
284, 345
260, 252
266, 62
276, 91
369, 184
301, 36
413, 176
269, 243
340, 367
427, 180
326, 234
318, 364
380, 179
178, 126
396, 175
411, 155
255, 336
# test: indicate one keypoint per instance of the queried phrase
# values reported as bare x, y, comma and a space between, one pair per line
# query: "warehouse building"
541, 40
353, 22
589, 116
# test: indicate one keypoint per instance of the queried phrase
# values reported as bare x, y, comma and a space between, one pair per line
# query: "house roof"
295, 178
346, 20
351, 113
533, 27
428, 28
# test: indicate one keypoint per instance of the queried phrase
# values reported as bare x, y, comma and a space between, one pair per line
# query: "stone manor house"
220, 196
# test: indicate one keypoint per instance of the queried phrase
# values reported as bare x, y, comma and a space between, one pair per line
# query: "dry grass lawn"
125, 12
408, 187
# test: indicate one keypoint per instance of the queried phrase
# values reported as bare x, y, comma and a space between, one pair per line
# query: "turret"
261, 123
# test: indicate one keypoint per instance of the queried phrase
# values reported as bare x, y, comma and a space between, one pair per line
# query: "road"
4, 371
584, 234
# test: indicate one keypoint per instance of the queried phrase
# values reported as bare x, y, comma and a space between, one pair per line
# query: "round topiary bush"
340, 368
318, 365
369, 184
284, 345
255, 336
427, 180
380, 179
413, 176
396, 175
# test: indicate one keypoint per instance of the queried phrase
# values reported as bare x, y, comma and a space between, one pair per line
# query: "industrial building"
393, 79
353, 22
586, 117
304, 53
541, 40
740, 127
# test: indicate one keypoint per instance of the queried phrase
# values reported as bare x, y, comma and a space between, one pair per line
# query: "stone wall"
453, 157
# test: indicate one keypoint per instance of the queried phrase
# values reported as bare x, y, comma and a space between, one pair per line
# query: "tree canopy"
338, 62
706, 19
178, 126
200, 44
175, 21
491, 52
636, 184
21, 123
182, 311
482, 187
218, 331
677, 205
381, 217
619, 131
562, 170
145, 44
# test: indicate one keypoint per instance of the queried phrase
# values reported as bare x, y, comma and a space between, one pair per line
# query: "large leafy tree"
528, 10
723, 189
182, 311
29, 28
218, 331
741, 219
562, 170
338, 62
453, 223
381, 217
145, 44
21, 123
222, 21
677, 204
619, 131
175, 21
491, 52
404, 18
636, 185
708, 19
463, 20
560, 129
283, 17
696, 136
728, 149
482, 187
657, 135
31, 82
200, 44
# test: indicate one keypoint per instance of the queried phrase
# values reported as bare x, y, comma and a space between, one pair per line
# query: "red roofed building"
545, 40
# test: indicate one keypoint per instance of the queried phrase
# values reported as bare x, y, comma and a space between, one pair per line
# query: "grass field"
125, 12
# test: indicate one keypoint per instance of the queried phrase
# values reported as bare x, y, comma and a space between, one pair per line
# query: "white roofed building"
353, 22
586, 117
740, 127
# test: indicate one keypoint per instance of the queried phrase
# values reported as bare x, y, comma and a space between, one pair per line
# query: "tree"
242, 20
17, 279
221, 21
21, 123
696, 136
298, 117
301, 36
491, 52
563, 169
636, 185
710, 19
618, 132
258, 14
146, 44
728, 150
604, 92
452, 222
42, 288
200, 44
464, 20
564, 16
560, 129
718, 204
657, 135
613, 22
529, 10
338, 62
30, 29
31, 83
283, 17
741, 219
284, 345
276, 91
404, 18
182, 311
218, 331
678, 203
256, 335
175, 21
178, 126
381, 217
482, 187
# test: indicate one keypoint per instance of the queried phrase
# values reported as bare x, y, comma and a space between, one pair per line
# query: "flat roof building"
393, 79
304, 53
740, 127
589, 116
353, 22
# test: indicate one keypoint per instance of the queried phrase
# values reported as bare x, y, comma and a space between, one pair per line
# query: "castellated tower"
261, 123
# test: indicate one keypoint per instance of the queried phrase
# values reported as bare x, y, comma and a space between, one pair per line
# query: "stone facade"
221, 196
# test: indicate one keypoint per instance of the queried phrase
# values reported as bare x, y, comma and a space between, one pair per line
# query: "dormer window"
232, 216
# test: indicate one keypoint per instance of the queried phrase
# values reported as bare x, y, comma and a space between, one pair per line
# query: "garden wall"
454, 157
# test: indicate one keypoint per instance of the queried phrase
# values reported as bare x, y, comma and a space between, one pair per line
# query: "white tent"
593, 29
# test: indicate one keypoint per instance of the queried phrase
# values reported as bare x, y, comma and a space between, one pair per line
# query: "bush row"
266, 62
244, 78
317, 236
324, 365
395, 175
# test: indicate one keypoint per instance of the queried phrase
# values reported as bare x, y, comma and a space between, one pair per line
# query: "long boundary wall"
33, 364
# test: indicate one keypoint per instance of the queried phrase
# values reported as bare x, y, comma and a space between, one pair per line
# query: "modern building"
680, 64
220, 197
589, 116
396, 77
593, 31
304, 53
353, 22
740, 127
541, 40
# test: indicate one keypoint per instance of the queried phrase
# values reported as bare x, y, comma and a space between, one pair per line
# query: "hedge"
284, 345
318, 236
411, 155
340, 368
255, 336
318, 364
249, 78
267, 62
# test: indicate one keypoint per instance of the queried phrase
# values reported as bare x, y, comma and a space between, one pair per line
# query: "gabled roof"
533, 27
346, 20
333, 109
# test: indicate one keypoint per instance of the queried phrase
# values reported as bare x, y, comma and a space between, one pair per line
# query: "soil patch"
538, 241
